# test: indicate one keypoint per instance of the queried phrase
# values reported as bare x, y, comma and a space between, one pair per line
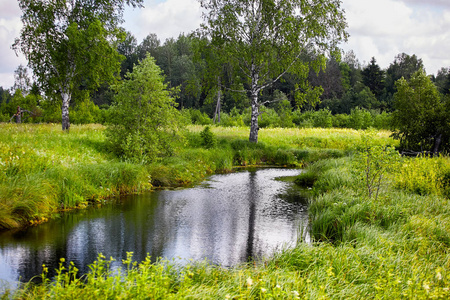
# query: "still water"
225, 220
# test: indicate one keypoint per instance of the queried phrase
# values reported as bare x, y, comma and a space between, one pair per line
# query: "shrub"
360, 119
145, 124
208, 138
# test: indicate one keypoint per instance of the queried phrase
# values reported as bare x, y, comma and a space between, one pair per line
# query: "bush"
196, 117
322, 118
360, 119
208, 138
145, 124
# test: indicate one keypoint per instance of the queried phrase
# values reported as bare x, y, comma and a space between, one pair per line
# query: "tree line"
245, 66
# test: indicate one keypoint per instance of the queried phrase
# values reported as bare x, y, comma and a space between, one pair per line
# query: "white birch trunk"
65, 109
255, 106
254, 119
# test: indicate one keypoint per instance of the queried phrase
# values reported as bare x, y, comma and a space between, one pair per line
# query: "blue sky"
379, 28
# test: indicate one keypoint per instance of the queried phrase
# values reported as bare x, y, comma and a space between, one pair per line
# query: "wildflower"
438, 275
278, 286
295, 293
227, 296
249, 282
263, 290
426, 287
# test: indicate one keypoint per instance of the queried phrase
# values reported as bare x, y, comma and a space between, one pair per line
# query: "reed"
394, 246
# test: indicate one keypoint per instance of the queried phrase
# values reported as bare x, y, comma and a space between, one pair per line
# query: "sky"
377, 28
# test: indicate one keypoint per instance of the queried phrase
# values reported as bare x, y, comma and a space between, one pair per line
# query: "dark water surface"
225, 220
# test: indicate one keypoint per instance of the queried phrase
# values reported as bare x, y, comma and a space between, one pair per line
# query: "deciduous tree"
265, 39
67, 42
419, 116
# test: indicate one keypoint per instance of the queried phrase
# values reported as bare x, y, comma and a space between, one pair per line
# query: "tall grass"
43, 170
395, 246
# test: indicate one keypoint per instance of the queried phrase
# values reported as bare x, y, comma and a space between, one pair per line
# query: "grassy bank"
44, 170
392, 245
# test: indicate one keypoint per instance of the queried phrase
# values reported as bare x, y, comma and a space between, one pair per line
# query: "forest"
351, 95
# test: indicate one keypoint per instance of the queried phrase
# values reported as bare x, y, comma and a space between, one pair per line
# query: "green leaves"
375, 162
145, 123
419, 118
265, 39
71, 43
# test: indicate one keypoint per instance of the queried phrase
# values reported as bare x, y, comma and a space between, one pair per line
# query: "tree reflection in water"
226, 220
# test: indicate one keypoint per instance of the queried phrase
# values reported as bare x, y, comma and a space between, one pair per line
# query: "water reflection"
226, 220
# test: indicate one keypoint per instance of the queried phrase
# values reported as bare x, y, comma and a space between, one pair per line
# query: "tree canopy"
68, 43
420, 116
265, 39
144, 123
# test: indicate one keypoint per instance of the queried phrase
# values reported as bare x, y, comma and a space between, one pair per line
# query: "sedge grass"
394, 247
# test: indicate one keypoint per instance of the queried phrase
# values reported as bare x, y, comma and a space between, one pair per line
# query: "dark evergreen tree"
442, 81
373, 77
128, 48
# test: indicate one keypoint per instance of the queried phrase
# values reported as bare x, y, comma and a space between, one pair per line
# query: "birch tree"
69, 42
265, 39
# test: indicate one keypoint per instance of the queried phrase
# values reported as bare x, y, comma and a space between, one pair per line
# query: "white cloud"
385, 28
10, 25
379, 28
167, 19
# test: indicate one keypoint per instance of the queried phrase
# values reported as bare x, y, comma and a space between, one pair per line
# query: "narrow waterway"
225, 220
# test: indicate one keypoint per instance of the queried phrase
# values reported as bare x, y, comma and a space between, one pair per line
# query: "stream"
227, 220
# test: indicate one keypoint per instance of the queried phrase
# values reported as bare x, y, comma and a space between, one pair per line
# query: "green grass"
395, 246
44, 170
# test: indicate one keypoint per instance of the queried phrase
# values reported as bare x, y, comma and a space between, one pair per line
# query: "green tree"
69, 43
375, 163
373, 77
145, 123
21, 80
405, 66
419, 116
265, 39
329, 79
442, 81
129, 49
150, 44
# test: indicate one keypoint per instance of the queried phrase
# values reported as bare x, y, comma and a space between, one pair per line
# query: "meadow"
380, 223
44, 170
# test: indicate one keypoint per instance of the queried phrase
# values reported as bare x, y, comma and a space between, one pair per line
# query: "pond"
226, 220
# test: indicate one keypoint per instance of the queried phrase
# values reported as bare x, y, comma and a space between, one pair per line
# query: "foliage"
145, 124
373, 77
196, 117
86, 112
265, 39
419, 117
208, 138
374, 163
69, 44
359, 119
405, 66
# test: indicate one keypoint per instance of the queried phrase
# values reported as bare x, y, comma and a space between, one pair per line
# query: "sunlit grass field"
44, 170
393, 246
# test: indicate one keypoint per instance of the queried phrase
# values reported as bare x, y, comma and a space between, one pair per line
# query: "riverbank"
44, 170
392, 246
